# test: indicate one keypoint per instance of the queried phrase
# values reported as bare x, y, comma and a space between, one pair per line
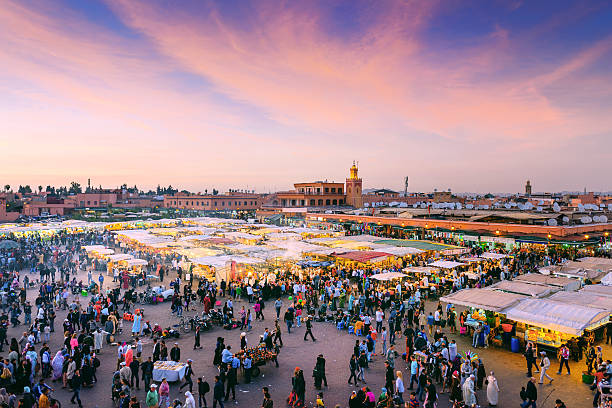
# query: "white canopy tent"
389, 276
493, 255
553, 315
607, 280
487, 299
446, 264
585, 299
524, 288
428, 270
567, 284
597, 289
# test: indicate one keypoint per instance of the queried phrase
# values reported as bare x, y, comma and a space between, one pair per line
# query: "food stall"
487, 306
260, 355
552, 323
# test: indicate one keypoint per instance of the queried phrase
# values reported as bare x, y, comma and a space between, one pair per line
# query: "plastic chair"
351, 330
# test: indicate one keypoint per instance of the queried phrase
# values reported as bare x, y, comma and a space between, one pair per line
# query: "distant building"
6, 216
354, 190
209, 202
383, 192
528, 189
315, 194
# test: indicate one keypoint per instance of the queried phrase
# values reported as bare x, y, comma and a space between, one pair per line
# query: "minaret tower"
528, 189
353, 188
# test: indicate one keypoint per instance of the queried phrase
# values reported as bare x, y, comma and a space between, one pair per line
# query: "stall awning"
428, 270
365, 256
389, 276
597, 289
446, 264
559, 281
487, 299
585, 299
524, 288
493, 255
562, 317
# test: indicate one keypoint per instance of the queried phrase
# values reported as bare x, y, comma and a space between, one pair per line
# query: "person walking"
164, 393
492, 390
309, 329
152, 399
399, 386
353, 366
218, 393
544, 366
530, 359
278, 304
203, 388
76, 388
531, 394
362, 364
196, 344
564, 355
267, 401
188, 374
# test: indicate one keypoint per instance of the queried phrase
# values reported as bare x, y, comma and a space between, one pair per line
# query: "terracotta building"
4, 215
209, 202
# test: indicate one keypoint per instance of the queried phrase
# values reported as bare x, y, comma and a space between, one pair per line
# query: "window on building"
340, 191
341, 202
222, 203
302, 202
349, 190
312, 202
320, 202
327, 189
95, 203
245, 203
293, 203
283, 202
327, 202
88, 202
318, 190
333, 190
335, 202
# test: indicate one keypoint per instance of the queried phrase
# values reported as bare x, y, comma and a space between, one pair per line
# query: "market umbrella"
8, 244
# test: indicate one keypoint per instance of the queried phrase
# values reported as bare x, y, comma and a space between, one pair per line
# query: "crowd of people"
421, 362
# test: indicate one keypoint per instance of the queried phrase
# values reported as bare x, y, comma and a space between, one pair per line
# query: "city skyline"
471, 96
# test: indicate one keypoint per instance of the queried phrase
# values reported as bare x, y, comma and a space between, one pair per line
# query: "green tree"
75, 188
7, 187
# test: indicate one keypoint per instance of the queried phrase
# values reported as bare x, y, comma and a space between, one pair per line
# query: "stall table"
171, 370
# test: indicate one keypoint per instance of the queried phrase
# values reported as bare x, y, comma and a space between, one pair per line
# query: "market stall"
260, 355
170, 370
553, 323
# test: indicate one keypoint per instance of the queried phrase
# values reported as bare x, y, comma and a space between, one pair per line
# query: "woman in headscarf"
189, 400
4, 397
469, 397
492, 390
57, 363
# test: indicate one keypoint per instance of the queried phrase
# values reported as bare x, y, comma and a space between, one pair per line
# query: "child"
320, 402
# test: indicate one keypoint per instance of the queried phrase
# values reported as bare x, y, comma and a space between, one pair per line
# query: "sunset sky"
468, 95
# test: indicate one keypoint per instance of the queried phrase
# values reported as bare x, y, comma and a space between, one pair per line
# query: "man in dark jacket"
135, 366
147, 372
389, 378
353, 369
218, 392
175, 353
531, 394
